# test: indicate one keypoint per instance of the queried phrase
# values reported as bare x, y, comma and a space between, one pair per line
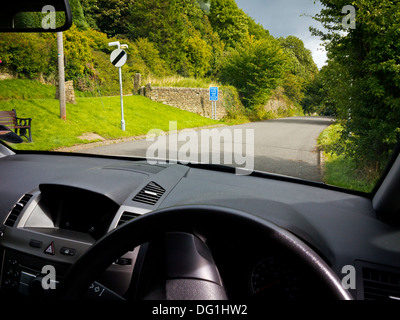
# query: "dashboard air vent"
150, 194
16, 210
127, 216
381, 284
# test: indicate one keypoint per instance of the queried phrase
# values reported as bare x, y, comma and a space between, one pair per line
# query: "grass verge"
101, 116
25, 89
339, 169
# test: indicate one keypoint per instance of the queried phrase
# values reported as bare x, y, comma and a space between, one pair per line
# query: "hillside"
212, 40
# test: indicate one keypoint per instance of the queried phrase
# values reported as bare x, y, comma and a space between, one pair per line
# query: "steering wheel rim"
188, 219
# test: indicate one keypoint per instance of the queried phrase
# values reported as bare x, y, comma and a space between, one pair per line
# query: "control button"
50, 249
13, 262
67, 251
35, 243
124, 262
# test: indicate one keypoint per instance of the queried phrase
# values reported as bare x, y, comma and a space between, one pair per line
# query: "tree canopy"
363, 75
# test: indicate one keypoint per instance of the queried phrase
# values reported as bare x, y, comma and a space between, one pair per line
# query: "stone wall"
278, 102
196, 100
7, 76
69, 92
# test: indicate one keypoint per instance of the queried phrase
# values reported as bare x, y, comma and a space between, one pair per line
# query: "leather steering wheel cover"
186, 219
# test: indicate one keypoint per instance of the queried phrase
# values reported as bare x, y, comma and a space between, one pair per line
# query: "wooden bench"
21, 126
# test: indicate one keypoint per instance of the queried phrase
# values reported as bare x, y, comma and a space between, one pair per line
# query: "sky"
288, 17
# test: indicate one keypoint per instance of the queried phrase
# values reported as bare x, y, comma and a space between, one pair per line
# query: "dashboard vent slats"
381, 284
16, 210
127, 216
150, 194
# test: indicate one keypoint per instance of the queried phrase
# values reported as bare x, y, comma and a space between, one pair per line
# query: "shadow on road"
306, 120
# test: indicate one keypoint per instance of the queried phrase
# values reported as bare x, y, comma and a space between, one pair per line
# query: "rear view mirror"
35, 16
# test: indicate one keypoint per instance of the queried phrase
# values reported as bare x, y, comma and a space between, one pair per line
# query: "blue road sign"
213, 93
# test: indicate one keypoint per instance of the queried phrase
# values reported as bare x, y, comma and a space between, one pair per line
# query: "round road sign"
118, 57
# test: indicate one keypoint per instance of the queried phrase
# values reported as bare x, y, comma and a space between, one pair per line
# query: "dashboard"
54, 207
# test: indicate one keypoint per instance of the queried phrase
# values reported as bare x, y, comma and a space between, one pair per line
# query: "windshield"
300, 88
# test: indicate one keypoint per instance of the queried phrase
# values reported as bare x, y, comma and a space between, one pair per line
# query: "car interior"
114, 227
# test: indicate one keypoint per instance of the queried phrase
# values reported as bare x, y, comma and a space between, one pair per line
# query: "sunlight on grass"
339, 169
101, 116
25, 89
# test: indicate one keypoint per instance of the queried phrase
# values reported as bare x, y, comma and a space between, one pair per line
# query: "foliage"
78, 53
27, 53
108, 16
161, 23
254, 68
341, 170
324, 93
256, 29
366, 62
148, 52
302, 68
232, 103
78, 17
230, 22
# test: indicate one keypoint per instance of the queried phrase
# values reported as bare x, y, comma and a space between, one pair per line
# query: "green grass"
97, 115
25, 89
341, 170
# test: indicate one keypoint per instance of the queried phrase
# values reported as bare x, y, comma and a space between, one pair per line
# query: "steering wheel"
194, 276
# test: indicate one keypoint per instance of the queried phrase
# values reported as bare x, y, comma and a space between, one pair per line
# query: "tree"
77, 15
256, 29
369, 55
109, 16
302, 68
181, 32
255, 67
230, 22
147, 51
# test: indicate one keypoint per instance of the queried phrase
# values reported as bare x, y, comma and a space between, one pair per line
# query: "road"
282, 146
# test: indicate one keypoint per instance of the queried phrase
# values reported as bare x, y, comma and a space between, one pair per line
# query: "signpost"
118, 59
214, 99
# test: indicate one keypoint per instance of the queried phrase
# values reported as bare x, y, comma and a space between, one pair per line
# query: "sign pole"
214, 109
122, 100
61, 76
118, 59
214, 99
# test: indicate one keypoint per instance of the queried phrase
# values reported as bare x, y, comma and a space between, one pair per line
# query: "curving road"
283, 146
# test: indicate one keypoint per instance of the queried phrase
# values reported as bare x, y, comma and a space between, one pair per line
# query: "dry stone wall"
196, 100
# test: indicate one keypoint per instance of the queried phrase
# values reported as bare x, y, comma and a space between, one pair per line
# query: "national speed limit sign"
118, 57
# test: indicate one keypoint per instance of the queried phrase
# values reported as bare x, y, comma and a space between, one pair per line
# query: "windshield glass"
300, 88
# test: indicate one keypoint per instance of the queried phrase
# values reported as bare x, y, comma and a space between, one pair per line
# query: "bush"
232, 103
255, 68
28, 54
